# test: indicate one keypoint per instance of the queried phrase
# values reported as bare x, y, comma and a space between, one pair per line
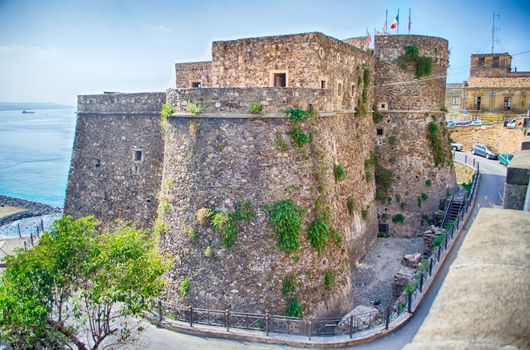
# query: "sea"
35, 152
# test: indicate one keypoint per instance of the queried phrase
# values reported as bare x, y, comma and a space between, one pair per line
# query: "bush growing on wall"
286, 219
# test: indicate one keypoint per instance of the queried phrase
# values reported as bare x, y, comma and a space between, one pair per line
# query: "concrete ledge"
518, 170
525, 145
484, 302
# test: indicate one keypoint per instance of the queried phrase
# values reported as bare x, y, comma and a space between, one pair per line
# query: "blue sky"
51, 51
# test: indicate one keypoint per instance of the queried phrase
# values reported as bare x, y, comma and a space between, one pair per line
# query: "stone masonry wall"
239, 100
307, 59
105, 180
409, 105
186, 73
217, 162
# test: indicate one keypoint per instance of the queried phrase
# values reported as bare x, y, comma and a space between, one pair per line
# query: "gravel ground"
374, 274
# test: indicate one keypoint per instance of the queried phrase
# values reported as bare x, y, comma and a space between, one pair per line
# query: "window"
138, 155
481, 62
495, 62
353, 89
507, 103
195, 84
280, 80
323, 84
454, 101
339, 89
379, 131
97, 163
477, 103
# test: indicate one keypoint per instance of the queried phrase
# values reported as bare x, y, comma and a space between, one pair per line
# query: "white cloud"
34, 52
163, 29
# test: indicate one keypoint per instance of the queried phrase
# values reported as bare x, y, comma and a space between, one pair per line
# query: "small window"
507, 103
280, 80
481, 62
495, 62
477, 102
196, 84
97, 163
353, 89
379, 131
323, 84
339, 89
138, 155
454, 101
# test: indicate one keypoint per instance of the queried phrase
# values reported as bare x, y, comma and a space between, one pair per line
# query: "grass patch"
255, 108
318, 232
226, 223
438, 240
329, 279
398, 219
282, 145
422, 64
435, 141
428, 182
194, 108
209, 252
294, 309
299, 137
350, 204
378, 117
364, 214
184, 286
337, 236
289, 285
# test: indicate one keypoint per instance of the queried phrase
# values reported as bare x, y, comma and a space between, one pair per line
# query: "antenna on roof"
494, 31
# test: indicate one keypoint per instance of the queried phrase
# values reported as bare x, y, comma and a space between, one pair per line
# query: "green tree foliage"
78, 278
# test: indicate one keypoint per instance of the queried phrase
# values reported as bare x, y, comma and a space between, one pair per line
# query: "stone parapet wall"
239, 100
517, 179
105, 180
217, 162
143, 102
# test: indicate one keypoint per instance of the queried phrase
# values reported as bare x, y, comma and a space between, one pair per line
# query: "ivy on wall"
422, 64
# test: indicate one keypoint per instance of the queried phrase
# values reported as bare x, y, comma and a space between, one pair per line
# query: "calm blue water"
35, 152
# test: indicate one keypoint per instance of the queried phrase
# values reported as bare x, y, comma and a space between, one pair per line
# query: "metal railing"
378, 320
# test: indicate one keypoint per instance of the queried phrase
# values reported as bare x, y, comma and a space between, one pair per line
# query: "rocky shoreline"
32, 209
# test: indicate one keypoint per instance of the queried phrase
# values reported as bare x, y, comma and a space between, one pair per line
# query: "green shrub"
318, 232
350, 203
297, 115
337, 237
244, 211
366, 85
209, 252
428, 182
194, 108
382, 234
255, 108
340, 173
467, 187
329, 279
424, 196
192, 233
378, 117
433, 135
450, 225
282, 145
423, 66
184, 287
286, 219
167, 110
298, 136
364, 214
438, 240
402, 205
410, 286
419, 201
383, 180
225, 224
384, 217
294, 309
398, 218
289, 285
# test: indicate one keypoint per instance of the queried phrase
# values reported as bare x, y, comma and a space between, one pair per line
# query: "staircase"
452, 212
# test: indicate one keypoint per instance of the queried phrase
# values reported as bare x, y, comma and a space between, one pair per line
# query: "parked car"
456, 146
486, 151
505, 158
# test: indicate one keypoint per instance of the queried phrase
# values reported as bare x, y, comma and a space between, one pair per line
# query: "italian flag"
395, 23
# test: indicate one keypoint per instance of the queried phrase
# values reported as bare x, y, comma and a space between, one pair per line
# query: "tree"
77, 281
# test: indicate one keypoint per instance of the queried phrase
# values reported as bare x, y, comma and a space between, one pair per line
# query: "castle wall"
239, 100
307, 59
408, 105
217, 162
105, 180
187, 73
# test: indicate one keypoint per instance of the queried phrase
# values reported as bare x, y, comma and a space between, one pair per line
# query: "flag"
409, 20
395, 23
368, 37
378, 32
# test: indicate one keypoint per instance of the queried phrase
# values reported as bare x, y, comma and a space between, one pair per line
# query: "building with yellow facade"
492, 92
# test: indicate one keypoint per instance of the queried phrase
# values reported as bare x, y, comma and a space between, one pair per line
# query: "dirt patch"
373, 276
496, 135
464, 174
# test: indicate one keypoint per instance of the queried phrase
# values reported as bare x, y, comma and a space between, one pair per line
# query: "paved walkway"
490, 194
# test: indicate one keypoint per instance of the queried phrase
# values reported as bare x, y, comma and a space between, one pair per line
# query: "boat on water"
26, 112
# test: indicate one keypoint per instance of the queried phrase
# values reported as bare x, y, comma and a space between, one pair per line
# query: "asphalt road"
490, 193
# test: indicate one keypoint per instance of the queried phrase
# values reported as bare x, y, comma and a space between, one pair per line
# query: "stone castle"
373, 156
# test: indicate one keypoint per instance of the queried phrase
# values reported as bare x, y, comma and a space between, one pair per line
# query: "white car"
456, 146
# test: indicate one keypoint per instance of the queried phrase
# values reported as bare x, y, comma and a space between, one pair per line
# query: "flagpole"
409, 19
398, 23
386, 21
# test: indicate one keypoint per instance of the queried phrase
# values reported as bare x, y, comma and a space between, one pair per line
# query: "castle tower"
412, 140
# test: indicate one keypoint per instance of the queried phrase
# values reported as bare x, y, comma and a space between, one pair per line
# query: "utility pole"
494, 30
